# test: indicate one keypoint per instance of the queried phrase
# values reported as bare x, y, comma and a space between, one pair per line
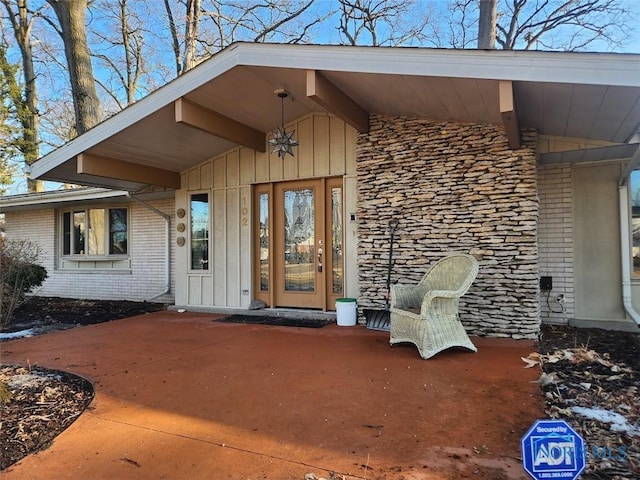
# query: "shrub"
19, 274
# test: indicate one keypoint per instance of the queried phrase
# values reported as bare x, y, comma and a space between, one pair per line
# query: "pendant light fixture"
282, 141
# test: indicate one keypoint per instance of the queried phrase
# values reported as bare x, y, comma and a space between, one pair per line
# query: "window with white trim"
634, 186
95, 232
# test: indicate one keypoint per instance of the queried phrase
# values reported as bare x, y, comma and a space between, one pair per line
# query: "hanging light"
282, 141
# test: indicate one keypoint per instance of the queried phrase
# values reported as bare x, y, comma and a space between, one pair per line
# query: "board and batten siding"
327, 149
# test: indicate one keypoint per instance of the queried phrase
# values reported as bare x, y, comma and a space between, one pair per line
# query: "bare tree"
565, 25
191, 34
71, 18
210, 26
381, 22
121, 51
266, 26
23, 97
487, 24
560, 24
60, 124
185, 59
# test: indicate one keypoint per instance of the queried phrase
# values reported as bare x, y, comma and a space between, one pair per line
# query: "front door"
299, 241
301, 261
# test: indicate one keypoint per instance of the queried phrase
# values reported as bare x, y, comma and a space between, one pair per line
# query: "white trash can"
346, 312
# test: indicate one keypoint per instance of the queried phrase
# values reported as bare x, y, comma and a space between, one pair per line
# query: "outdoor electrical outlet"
546, 283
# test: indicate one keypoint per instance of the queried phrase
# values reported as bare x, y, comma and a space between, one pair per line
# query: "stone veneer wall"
454, 188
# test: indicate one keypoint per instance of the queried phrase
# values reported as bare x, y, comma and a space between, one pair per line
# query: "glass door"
299, 244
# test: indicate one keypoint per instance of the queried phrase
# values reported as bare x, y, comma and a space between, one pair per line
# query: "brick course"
145, 278
556, 241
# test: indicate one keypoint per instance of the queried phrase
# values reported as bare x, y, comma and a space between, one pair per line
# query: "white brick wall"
555, 241
147, 240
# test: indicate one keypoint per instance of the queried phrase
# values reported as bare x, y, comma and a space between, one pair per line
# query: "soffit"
446, 92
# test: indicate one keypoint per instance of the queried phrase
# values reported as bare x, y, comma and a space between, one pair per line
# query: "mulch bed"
579, 368
590, 378
36, 404
65, 313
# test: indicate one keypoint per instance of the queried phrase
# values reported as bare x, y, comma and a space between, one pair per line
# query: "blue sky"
53, 84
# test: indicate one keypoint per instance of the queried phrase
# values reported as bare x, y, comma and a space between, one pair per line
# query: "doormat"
278, 321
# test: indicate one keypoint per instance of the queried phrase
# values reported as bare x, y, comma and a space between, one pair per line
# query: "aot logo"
552, 449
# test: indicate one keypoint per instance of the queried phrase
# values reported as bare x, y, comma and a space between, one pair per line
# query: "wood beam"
335, 101
122, 170
188, 113
509, 114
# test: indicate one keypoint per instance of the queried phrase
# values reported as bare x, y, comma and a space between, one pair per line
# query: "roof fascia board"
26, 200
556, 67
605, 69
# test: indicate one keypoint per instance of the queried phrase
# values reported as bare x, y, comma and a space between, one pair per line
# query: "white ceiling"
591, 96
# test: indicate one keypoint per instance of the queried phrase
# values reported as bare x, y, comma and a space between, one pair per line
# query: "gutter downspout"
625, 237
167, 267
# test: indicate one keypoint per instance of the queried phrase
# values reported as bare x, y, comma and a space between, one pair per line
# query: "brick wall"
556, 241
453, 187
147, 239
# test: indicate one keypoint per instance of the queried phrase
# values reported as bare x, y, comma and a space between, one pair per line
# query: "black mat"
279, 321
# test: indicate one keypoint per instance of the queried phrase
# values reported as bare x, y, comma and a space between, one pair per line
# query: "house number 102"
244, 212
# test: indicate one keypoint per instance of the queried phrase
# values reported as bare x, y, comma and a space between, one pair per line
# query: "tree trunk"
29, 118
71, 15
487, 25
191, 34
25, 102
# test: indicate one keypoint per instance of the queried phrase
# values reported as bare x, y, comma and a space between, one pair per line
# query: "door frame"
323, 220
282, 297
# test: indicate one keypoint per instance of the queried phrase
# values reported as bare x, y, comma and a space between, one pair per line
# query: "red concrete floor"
179, 396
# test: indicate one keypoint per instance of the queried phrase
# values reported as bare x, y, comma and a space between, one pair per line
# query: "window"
263, 214
199, 209
635, 221
118, 231
95, 232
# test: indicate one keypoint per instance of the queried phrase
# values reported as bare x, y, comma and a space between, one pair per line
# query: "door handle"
320, 258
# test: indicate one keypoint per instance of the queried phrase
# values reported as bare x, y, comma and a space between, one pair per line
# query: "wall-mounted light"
282, 141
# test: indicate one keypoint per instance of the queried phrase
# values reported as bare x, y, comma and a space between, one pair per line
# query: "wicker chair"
427, 314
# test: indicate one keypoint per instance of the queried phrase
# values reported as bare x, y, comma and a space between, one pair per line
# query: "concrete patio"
179, 396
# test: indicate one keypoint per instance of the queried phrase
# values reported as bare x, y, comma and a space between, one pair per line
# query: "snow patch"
29, 332
618, 422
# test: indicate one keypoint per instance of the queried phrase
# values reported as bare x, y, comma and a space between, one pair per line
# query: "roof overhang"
229, 101
75, 196
590, 155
